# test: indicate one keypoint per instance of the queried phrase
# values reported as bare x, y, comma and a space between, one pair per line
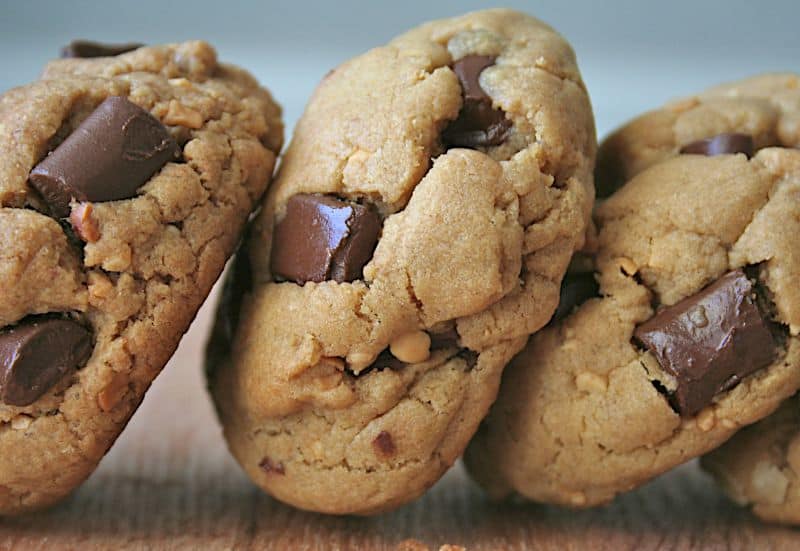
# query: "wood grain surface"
169, 483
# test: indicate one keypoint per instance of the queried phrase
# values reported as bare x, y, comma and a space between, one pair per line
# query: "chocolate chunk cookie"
692, 335
124, 184
423, 217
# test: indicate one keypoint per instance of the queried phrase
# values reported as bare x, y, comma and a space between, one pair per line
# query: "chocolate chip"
710, 340
323, 238
384, 445
36, 354
108, 157
576, 288
721, 144
269, 467
478, 123
87, 48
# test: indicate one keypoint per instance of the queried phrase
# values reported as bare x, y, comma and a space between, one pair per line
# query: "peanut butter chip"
85, 226
412, 347
21, 422
113, 392
628, 266
591, 382
706, 420
180, 115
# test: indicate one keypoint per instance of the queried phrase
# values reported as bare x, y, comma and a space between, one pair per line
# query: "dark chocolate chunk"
576, 288
36, 354
721, 144
709, 340
384, 445
323, 238
478, 123
87, 48
108, 157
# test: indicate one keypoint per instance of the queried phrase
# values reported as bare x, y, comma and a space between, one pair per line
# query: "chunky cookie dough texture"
760, 466
351, 387
124, 184
614, 394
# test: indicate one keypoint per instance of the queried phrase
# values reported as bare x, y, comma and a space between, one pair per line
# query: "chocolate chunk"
478, 123
323, 238
108, 157
384, 445
36, 354
709, 340
576, 288
721, 144
87, 48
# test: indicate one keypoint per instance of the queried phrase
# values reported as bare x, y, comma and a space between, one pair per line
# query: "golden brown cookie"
692, 334
417, 233
124, 185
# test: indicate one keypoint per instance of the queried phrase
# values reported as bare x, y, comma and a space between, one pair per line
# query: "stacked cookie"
693, 332
126, 177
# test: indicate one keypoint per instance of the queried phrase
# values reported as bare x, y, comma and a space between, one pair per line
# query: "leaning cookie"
418, 231
124, 184
760, 466
693, 334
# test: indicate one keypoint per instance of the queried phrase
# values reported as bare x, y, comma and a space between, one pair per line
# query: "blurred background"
634, 55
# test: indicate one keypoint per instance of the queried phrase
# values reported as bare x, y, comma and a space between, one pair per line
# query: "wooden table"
170, 483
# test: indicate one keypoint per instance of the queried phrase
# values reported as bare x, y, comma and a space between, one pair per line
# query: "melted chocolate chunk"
710, 341
576, 288
478, 123
323, 238
36, 354
721, 144
108, 157
87, 48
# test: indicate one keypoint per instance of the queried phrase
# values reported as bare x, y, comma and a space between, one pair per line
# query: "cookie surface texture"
417, 233
125, 183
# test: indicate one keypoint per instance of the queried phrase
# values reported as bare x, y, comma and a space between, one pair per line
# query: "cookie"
693, 332
764, 109
418, 230
758, 467
124, 185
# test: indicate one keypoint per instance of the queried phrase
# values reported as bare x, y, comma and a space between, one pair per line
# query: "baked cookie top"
766, 108
124, 184
759, 466
423, 216
694, 333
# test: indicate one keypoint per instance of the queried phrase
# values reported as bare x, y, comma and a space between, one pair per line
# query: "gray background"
634, 55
